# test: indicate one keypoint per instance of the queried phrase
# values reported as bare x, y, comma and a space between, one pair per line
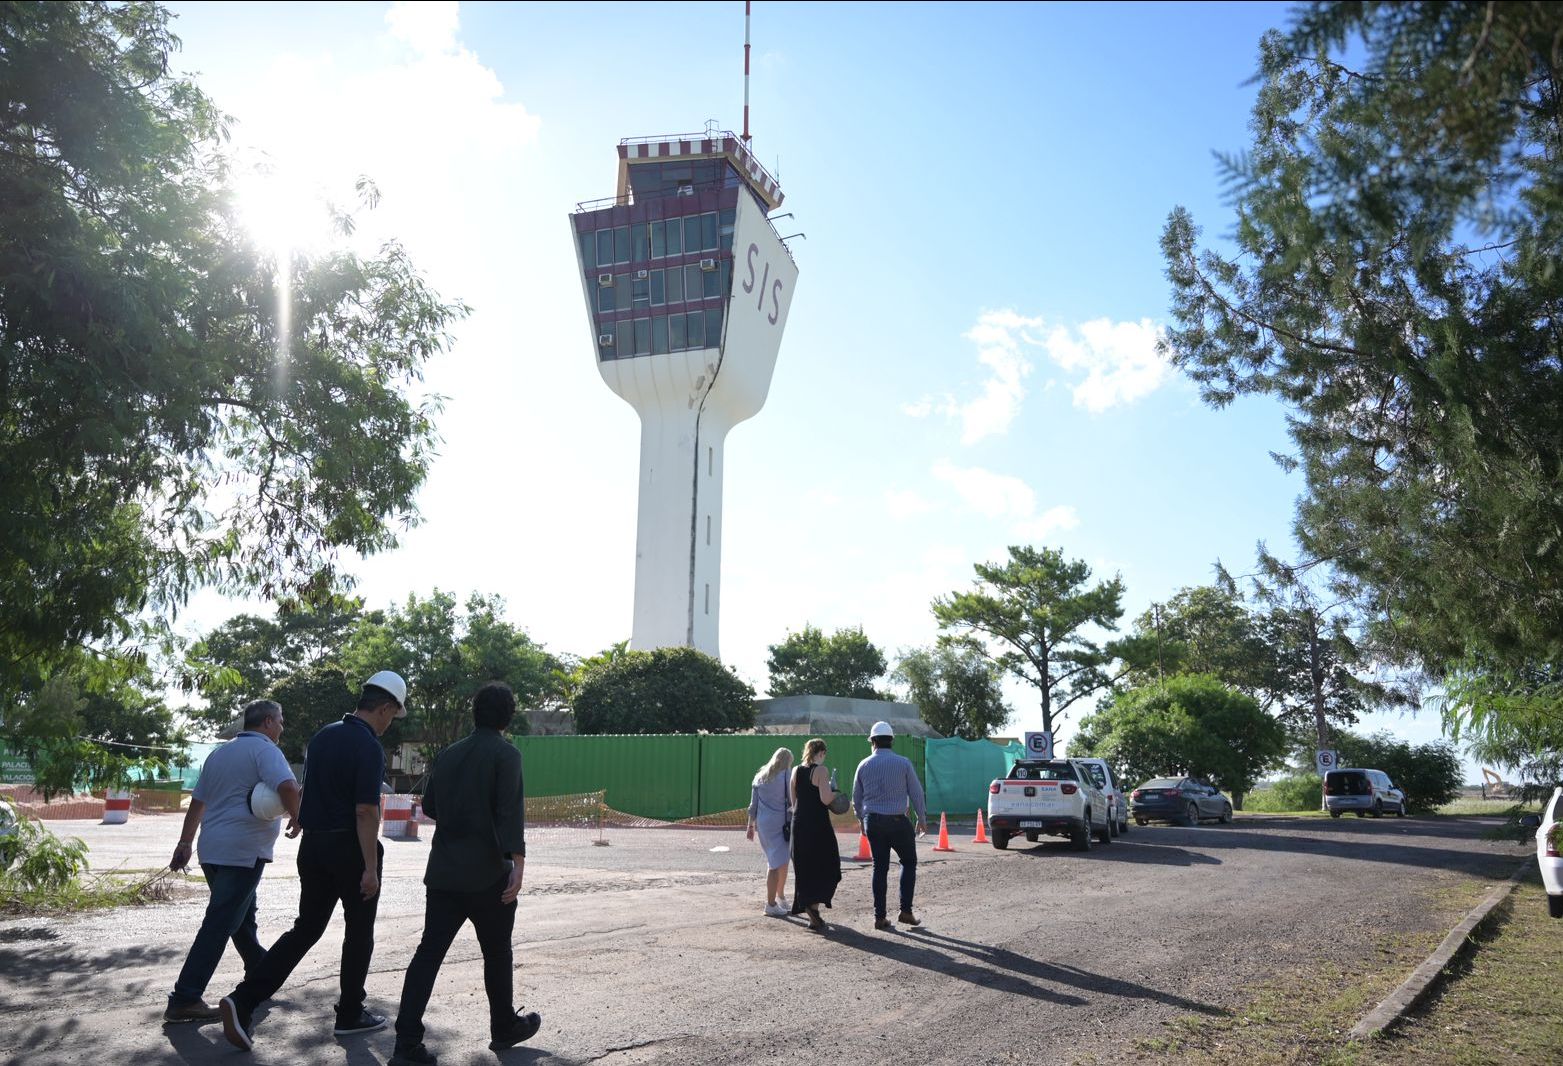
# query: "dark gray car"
1178, 799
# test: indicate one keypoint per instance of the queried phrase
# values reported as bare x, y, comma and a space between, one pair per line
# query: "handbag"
840, 803
787, 814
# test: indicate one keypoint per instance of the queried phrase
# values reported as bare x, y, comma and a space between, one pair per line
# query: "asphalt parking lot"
653, 949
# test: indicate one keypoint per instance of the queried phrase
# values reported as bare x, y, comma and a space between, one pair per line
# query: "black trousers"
887, 833
444, 913
329, 868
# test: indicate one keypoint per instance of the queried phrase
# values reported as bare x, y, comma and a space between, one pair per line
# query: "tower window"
708, 597
710, 465
708, 530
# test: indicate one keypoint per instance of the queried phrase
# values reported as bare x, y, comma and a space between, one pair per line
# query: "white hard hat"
265, 804
392, 682
881, 729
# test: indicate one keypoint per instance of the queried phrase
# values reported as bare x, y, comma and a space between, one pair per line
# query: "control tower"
687, 288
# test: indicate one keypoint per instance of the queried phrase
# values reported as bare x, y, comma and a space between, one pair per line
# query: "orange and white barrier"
396, 820
116, 806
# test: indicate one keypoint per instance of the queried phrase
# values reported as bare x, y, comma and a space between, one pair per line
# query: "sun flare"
282, 212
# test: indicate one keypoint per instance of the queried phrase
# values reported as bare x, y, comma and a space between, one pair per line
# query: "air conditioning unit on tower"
686, 190
708, 264
605, 280
605, 340
642, 275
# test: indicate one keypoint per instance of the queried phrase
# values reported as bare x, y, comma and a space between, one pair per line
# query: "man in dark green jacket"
475, 797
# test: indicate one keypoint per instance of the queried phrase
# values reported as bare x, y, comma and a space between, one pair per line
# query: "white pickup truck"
1057, 796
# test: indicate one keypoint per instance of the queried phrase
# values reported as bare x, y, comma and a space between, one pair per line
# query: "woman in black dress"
816, 860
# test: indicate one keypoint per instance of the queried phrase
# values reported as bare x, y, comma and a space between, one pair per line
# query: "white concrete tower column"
688, 397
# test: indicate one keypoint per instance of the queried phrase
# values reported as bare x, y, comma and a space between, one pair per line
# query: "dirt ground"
653, 949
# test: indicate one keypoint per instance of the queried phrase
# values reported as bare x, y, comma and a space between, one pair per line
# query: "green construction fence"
958, 773
674, 776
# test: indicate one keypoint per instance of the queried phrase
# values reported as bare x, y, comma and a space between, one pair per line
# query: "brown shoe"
908, 918
816, 923
883, 924
199, 1011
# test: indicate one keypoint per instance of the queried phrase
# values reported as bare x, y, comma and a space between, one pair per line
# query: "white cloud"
1120, 361
429, 26
906, 503
1000, 496
428, 122
1048, 522
1001, 338
990, 495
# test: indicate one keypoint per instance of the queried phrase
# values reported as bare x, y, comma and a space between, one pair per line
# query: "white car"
1549, 850
1048, 796
1117, 802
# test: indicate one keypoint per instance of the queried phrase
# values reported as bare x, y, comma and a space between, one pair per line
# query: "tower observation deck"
687, 288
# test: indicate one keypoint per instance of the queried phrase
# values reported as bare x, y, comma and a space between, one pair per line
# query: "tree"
1205, 629
1429, 774
164, 425
669, 690
573, 670
249, 656
1032, 616
313, 697
1320, 654
956, 689
105, 736
1189, 725
1394, 280
446, 653
1511, 718
846, 663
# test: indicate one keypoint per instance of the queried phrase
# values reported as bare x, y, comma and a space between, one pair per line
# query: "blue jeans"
230, 914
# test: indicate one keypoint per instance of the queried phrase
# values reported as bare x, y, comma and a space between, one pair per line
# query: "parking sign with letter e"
1039, 745
1325, 760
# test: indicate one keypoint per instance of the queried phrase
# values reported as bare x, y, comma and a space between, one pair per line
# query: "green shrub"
669, 690
1299, 792
34, 859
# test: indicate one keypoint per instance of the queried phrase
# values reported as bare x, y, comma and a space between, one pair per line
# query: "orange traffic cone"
982, 831
864, 852
944, 835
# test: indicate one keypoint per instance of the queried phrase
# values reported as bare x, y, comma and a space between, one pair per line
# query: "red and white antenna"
746, 72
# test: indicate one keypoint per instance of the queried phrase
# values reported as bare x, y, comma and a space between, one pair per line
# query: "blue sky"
969, 361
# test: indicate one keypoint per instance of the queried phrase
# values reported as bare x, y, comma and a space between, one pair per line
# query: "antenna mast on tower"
746, 72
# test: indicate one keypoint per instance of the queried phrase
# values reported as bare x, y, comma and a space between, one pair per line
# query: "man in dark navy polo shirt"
339, 859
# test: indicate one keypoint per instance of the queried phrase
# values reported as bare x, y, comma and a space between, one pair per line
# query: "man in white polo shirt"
235, 847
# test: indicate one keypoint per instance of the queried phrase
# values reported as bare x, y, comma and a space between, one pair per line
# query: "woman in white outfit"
770, 812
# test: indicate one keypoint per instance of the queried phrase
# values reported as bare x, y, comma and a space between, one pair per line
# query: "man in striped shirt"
886, 783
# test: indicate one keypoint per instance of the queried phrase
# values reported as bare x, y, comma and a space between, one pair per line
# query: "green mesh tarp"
957, 774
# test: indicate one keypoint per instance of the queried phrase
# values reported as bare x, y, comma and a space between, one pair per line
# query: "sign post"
1039, 745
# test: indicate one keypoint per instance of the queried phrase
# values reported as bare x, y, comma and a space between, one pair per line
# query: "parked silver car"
1364, 792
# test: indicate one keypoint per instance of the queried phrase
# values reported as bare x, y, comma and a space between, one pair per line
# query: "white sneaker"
775, 910
781, 901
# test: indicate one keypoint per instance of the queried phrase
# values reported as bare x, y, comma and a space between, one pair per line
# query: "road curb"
1399, 1003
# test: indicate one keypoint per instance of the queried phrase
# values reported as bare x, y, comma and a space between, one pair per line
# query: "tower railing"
722, 137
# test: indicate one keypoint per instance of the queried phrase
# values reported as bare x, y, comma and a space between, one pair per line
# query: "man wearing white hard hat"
236, 844
339, 860
886, 783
